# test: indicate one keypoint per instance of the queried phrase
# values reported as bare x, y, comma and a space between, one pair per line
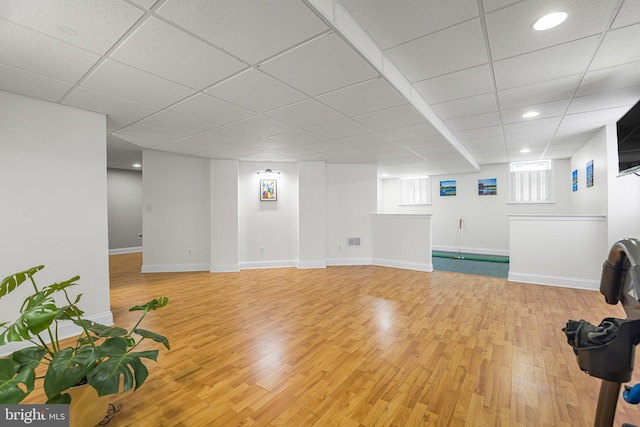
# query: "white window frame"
415, 191
531, 182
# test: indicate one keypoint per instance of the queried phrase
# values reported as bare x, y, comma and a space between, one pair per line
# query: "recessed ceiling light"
525, 151
530, 114
137, 165
549, 21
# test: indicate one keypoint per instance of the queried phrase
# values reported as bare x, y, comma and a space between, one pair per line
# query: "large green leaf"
67, 368
151, 305
9, 283
105, 377
56, 287
152, 335
101, 330
29, 357
11, 376
38, 313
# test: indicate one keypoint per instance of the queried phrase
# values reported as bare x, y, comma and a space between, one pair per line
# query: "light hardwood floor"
358, 346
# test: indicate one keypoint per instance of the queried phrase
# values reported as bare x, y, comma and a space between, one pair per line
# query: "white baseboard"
252, 265
174, 268
479, 251
563, 282
65, 330
349, 261
312, 264
118, 251
418, 266
231, 268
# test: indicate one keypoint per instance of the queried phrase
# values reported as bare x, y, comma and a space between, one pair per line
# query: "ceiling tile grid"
272, 81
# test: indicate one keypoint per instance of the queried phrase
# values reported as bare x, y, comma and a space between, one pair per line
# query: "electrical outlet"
189, 252
261, 248
139, 236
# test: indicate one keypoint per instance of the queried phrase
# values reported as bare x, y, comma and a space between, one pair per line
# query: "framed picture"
488, 187
590, 173
268, 190
448, 188
574, 180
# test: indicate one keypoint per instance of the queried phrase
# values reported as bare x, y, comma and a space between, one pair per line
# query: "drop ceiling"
415, 87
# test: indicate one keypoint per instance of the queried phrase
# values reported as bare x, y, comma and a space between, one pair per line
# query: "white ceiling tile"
31, 84
510, 30
305, 113
408, 132
466, 135
460, 84
264, 157
532, 125
256, 91
230, 136
177, 122
533, 138
599, 101
549, 109
629, 14
339, 129
228, 152
470, 106
365, 97
265, 144
294, 152
490, 5
250, 30
490, 141
327, 147
539, 93
298, 137
425, 57
176, 148
262, 126
426, 141
404, 115
95, 26
363, 140
390, 25
107, 104
130, 83
312, 69
210, 109
150, 132
197, 143
31, 51
617, 48
611, 78
162, 49
593, 119
558, 61
473, 122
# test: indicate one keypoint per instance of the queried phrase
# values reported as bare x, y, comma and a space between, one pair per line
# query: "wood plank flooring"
358, 346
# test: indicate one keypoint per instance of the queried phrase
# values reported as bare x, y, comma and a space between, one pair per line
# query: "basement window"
531, 182
415, 191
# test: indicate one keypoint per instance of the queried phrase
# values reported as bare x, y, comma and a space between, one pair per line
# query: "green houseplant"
102, 356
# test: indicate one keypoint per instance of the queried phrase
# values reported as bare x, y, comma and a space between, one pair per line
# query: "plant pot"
87, 409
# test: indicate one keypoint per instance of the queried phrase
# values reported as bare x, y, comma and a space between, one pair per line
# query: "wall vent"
353, 241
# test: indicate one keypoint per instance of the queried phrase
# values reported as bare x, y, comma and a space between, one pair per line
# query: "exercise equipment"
607, 351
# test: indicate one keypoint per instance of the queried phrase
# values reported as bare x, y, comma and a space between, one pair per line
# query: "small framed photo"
268, 190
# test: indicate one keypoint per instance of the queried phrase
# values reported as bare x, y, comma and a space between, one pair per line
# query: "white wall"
224, 216
312, 215
176, 219
53, 183
268, 229
124, 202
591, 200
352, 196
485, 227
